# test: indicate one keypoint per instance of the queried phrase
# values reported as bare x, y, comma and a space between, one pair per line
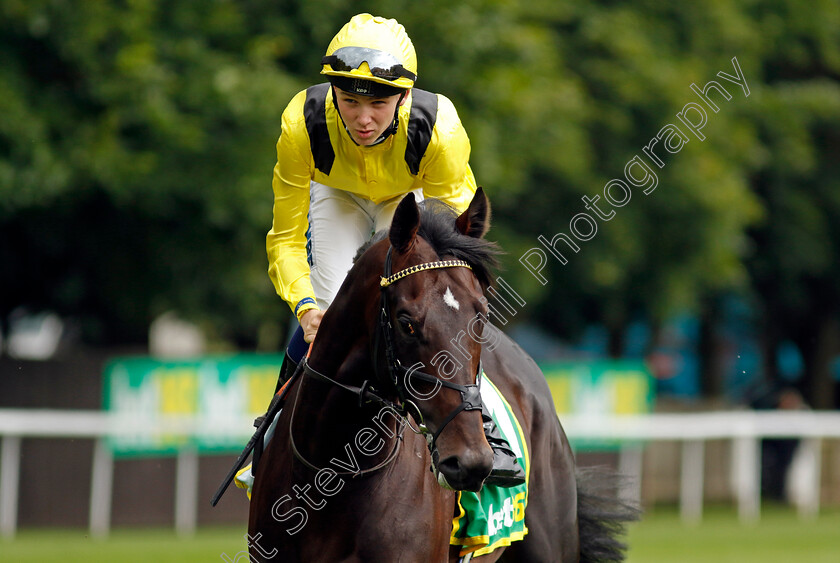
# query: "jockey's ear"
405, 224
475, 221
404, 97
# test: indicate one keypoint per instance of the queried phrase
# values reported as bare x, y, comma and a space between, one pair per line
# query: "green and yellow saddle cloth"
494, 517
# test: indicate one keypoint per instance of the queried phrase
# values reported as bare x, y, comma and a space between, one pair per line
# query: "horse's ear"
405, 224
475, 221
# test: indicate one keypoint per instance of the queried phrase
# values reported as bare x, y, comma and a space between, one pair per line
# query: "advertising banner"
600, 388
225, 393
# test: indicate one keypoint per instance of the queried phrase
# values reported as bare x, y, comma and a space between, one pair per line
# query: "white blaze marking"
450, 300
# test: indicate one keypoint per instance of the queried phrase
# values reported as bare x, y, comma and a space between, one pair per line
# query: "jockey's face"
366, 118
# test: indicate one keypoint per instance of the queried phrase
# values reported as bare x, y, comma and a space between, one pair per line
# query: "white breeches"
339, 223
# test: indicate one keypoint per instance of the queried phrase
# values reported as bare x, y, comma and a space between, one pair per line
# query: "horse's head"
432, 314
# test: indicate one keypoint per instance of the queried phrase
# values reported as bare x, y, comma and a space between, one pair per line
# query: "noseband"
397, 374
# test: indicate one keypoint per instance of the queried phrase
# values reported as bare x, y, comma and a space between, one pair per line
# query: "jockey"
348, 152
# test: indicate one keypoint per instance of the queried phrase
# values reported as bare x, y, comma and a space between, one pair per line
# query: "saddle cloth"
494, 516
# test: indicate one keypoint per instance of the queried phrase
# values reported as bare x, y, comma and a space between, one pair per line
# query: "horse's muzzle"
465, 472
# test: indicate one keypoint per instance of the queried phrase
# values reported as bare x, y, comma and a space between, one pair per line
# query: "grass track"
780, 537
124, 546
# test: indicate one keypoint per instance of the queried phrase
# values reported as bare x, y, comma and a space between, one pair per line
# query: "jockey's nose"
365, 116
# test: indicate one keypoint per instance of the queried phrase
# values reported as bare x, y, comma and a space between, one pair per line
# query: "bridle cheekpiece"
470, 394
384, 337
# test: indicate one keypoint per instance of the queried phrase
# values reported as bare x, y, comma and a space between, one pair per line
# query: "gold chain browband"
385, 282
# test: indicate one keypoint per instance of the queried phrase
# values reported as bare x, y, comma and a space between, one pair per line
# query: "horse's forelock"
437, 227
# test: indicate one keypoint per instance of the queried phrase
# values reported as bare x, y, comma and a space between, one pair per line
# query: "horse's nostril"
451, 466
464, 474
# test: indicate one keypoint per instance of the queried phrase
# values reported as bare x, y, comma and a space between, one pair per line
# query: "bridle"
396, 375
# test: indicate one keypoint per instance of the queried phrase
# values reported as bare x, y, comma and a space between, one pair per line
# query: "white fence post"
186, 491
746, 459
630, 464
804, 477
692, 474
101, 486
9, 482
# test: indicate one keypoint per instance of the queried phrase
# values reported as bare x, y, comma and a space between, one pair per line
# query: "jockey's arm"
286, 241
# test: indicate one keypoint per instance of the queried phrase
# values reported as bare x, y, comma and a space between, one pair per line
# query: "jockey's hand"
310, 321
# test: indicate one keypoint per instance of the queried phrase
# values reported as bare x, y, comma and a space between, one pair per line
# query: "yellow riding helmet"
372, 48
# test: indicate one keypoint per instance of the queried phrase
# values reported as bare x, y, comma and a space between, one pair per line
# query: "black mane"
437, 227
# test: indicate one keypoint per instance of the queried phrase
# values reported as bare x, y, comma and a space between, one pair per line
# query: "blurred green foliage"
137, 142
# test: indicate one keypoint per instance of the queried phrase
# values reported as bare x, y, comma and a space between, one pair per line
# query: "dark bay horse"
347, 475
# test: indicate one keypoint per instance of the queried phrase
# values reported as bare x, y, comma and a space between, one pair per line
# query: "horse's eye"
407, 327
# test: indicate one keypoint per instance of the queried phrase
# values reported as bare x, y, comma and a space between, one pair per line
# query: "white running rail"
744, 429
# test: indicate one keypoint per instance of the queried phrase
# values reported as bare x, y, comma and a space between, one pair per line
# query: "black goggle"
382, 64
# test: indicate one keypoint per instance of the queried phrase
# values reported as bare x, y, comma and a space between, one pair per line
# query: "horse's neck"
328, 419
331, 430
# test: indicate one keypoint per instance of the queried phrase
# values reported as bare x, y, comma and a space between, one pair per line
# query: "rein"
362, 393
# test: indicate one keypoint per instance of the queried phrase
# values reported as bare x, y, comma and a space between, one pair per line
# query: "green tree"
137, 138
135, 151
561, 99
793, 264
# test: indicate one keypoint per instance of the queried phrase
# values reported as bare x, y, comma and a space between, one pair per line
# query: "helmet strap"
338, 111
392, 130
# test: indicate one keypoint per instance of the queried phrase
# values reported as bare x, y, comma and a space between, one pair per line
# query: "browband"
386, 281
